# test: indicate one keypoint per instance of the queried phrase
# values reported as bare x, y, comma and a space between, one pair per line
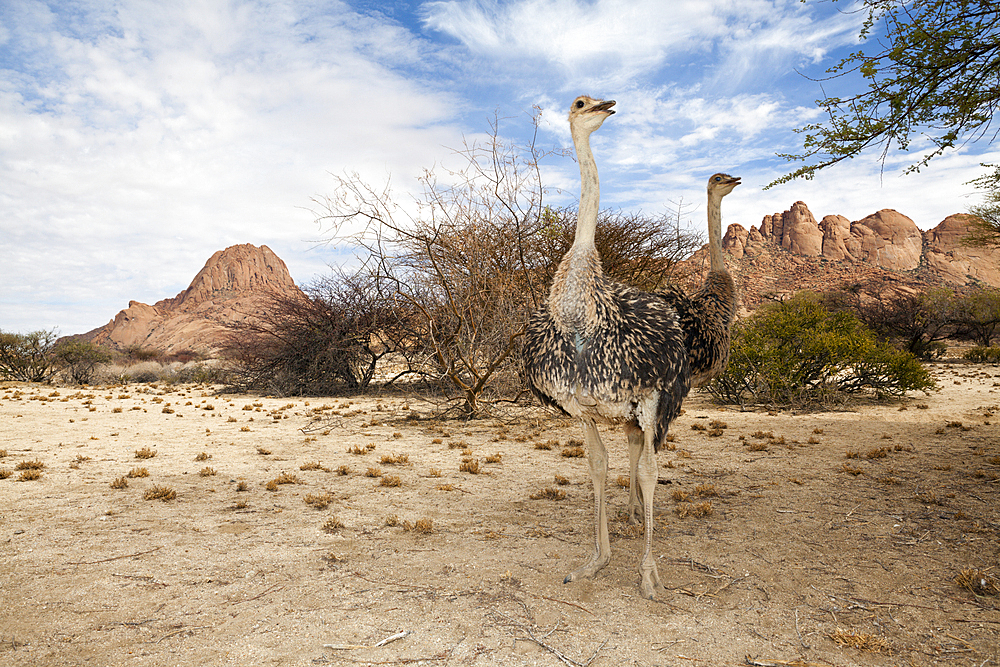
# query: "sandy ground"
823, 538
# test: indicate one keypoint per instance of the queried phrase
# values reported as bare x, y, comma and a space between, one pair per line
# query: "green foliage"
983, 355
932, 73
798, 352
80, 358
26, 357
976, 315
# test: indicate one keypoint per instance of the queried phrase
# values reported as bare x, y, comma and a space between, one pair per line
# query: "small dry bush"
471, 467
207, 472
204, 456
318, 500
30, 475
332, 525
394, 459
851, 470
862, 641
138, 472
561, 481
494, 458
5, 473
877, 453
357, 450
978, 582
163, 493
698, 427
145, 453
680, 496
547, 445
373, 472
314, 465
686, 509
706, 490
422, 526
391, 481
120, 483
623, 481
37, 464
392, 520
548, 493
343, 470
573, 452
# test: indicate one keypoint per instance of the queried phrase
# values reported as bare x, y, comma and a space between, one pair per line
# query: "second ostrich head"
722, 184
719, 185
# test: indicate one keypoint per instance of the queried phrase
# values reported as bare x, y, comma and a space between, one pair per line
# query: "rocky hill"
233, 285
791, 251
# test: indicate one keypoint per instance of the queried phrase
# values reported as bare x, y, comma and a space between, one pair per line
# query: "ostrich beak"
735, 180
605, 106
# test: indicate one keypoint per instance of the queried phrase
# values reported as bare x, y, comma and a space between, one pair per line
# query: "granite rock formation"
234, 285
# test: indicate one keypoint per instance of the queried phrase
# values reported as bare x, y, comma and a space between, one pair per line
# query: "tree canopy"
932, 71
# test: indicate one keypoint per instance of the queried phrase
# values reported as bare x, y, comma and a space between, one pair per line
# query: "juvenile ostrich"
600, 350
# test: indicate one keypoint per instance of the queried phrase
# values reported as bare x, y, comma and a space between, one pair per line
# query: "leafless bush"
473, 257
325, 341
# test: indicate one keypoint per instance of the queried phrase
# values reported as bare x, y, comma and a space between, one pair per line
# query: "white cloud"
137, 144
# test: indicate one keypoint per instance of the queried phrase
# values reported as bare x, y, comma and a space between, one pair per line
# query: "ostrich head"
722, 184
586, 114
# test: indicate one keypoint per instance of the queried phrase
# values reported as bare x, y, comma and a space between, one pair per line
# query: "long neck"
590, 193
715, 232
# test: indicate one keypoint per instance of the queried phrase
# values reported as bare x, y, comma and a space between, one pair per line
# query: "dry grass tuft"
851, 470
978, 582
207, 472
877, 453
318, 500
332, 525
37, 464
138, 472
314, 465
573, 452
706, 490
394, 459
204, 456
343, 470
494, 458
120, 483
391, 521
373, 472
422, 526
548, 493
547, 445
561, 480
623, 481
680, 496
145, 453
357, 450
30, 475
163, 493
862, 641
283, 478
471, 467
391, 481
698, 427
685, 509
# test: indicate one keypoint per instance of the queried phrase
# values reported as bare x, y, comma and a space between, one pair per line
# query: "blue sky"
137, 137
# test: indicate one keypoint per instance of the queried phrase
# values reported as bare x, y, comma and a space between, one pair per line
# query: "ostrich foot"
634, 514
650, 580
588, 570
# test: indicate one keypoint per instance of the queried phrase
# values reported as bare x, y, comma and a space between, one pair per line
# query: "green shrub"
797, 352
983, 355
27, 357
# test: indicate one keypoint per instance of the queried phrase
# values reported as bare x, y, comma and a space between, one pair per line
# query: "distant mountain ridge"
788, 252
233, 285
791, 251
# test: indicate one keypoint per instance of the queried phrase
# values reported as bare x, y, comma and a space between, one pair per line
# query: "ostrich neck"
590, 194
715, 233
573, 298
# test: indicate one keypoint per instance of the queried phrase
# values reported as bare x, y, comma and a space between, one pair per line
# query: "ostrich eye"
579, 104
717, 179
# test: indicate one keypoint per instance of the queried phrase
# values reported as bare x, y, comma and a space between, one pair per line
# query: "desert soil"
813, 538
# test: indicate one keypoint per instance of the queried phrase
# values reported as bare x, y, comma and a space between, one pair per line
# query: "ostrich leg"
636, 440
598, 458
646, 473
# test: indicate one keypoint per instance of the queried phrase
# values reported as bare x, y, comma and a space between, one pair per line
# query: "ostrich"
706, 317
599, 350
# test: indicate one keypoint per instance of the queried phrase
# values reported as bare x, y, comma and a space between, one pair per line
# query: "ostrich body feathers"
602, 350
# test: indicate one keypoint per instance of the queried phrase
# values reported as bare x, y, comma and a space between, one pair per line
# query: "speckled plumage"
706, 317
629, 345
